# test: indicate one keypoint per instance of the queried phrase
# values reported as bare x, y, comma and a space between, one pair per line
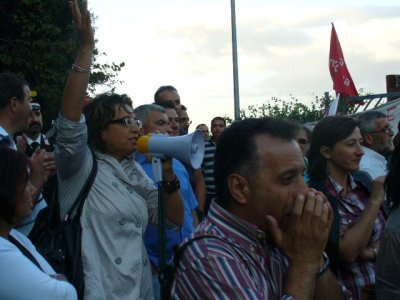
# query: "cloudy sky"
282, 48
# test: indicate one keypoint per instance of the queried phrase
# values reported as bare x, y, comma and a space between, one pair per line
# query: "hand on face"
303, 234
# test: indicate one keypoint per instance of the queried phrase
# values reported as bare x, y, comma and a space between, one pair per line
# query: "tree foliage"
293, 110
296, 111
37, 40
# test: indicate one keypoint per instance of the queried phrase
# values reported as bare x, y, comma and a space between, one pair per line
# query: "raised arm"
78, 78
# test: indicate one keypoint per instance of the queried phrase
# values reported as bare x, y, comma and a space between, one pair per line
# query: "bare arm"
195, 219
200, 192
357, 237
77, 82
173, 201
327, 287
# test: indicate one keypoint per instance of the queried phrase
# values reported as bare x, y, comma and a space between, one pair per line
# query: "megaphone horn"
188, 148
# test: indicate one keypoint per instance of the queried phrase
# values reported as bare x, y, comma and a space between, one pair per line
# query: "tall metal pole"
235, 63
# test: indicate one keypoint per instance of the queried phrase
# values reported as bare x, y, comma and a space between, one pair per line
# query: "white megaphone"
188, 148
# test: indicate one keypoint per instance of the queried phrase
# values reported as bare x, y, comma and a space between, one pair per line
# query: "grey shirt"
114, 216
388, 260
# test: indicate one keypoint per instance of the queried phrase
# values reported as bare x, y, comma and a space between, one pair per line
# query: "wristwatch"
171, 186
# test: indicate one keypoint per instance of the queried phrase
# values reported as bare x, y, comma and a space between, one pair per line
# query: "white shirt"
373, 163
20, 278
4, 133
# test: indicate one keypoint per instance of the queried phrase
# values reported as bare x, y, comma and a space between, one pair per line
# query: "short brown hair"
99, 113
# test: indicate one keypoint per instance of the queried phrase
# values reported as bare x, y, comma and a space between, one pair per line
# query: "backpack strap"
80, 200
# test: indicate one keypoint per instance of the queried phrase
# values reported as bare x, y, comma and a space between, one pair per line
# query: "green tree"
38, 41
293, 110
296, 111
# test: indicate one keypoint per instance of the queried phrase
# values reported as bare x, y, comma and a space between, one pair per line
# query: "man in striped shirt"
265, 234
218, 125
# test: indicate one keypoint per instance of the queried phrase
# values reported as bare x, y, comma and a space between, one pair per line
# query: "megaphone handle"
157, 169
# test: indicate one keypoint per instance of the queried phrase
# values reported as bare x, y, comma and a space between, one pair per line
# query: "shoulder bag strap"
24, 251
80, 200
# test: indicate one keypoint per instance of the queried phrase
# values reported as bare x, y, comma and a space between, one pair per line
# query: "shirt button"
122, 221
114, 184
145, 261
252, 248
118, 260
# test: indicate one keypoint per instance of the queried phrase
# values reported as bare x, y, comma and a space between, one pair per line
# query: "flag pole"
235, 63
333, 107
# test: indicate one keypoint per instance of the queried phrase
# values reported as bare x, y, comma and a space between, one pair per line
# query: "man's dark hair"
237, 150
183, 107
162, 89
218, 119
11, 85
166, 105
327, 132
367, 120
99, 112
14, 176
202, 124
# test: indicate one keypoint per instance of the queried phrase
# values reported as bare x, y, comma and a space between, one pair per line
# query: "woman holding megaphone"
122, 199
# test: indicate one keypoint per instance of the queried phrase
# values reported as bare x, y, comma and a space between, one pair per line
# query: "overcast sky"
282, 48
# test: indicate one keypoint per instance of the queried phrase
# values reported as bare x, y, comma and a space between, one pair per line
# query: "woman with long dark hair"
388, 260
25, 274
334, 155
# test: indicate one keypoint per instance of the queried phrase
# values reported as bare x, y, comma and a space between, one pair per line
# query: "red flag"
342, 82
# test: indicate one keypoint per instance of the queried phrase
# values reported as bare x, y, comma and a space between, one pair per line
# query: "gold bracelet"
80, 69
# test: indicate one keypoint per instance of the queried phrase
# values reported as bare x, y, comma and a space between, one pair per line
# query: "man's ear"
325, 152
14, 104
239, 188
368, 139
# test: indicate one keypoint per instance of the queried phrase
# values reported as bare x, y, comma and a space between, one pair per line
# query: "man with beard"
34, 137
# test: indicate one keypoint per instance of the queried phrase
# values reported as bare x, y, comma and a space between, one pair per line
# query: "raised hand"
303, 234
378, 191
83, 23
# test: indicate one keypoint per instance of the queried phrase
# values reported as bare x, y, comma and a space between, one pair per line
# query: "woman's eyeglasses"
127, 121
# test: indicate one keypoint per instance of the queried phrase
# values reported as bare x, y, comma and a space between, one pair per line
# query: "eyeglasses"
302, 141
386, 129
127, 121
183, 120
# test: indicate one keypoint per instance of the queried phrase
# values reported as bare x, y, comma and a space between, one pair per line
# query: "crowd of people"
276, 210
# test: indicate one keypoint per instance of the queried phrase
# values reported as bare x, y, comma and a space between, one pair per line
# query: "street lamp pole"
235, 63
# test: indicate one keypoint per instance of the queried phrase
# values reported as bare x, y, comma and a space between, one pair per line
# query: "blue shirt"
174, 237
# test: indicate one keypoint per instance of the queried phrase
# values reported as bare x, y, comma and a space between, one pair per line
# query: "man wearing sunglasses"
377, 137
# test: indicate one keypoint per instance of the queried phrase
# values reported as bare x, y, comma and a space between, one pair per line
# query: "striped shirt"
207, 166
239, 264
361, 272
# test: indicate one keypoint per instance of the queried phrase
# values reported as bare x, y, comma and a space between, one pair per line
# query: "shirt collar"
340, 188
233, 226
